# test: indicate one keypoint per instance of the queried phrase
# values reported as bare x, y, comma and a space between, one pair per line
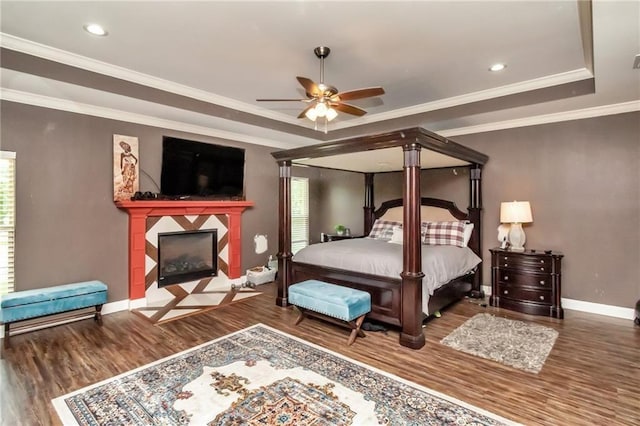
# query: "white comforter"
440, 264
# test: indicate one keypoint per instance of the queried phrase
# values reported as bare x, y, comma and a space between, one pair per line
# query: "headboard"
427, 213
432, 209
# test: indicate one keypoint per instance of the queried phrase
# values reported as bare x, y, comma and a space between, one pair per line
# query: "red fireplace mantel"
141, 209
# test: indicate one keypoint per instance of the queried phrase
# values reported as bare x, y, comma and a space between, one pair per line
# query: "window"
299, 213
7, 219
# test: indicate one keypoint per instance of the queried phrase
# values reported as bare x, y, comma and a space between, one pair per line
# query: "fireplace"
148, 218
187, 256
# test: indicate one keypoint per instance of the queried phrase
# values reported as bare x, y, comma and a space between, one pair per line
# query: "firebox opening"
187, 256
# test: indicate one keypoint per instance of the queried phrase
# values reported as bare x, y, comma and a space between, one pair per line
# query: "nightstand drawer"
531, 264
525, 294
524, 279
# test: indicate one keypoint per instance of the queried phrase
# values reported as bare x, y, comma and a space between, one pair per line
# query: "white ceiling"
432, 58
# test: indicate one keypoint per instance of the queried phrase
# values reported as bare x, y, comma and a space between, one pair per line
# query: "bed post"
475, 211
368, 203
284, 238
411, 335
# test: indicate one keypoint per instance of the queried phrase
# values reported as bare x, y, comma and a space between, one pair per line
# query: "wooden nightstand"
528, 282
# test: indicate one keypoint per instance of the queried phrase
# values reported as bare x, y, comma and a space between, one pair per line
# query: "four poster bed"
398, 295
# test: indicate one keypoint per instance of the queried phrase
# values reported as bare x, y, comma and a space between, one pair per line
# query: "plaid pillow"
383, 229
443, 233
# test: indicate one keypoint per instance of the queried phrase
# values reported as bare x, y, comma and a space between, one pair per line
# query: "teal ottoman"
28, 304
335, 303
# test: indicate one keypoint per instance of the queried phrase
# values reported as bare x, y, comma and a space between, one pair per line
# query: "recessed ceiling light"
95, 29
497, 67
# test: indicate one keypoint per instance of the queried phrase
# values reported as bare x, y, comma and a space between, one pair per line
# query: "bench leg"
356, 330
6, 336
98, 315
300, 317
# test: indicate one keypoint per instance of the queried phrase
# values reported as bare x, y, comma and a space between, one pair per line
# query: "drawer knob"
506, 264
542, 269
506, 292
541, 297
505, 258
541, 260
506, 278
541, 282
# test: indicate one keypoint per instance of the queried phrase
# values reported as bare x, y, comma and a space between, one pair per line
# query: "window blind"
7, 220
299, 213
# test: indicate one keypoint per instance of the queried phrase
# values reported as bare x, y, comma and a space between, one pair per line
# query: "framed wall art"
126, 170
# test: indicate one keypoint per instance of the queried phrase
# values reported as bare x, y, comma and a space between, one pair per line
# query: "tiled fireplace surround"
148, 218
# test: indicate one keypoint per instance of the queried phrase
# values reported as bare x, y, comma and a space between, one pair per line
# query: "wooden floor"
592, 376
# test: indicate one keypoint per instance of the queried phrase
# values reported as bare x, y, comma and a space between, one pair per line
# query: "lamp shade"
515, 212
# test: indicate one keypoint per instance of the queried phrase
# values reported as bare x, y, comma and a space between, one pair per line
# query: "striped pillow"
383, 229
443, 233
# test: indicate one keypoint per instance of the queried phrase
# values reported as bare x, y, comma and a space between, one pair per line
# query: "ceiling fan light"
331, 114
311, 114
321, 109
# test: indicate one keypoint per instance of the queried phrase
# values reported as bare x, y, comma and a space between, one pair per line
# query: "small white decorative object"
503, 235
260, 275
261, 243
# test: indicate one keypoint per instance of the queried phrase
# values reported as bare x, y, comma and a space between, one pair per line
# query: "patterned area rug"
515, 343
261, 376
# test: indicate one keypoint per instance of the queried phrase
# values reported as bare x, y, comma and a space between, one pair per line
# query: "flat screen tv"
201, 170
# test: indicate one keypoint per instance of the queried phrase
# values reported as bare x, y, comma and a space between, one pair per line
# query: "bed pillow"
468, 230
383, 229
397, 235
444, 234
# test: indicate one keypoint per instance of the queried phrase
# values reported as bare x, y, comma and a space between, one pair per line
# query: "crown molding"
536, 120
482, 95
61, 56
114, 114
64, 57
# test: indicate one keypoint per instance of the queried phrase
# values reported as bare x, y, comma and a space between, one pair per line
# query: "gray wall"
68, 228
583, 181
335, 198
581, 177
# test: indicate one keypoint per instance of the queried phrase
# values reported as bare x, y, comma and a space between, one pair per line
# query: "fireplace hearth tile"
185, 304
243, 294
176, 313
200, 299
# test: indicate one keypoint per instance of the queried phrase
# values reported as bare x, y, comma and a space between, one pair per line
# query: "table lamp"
516, 213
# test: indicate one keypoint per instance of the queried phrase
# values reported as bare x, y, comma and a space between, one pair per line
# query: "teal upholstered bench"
28, 304
338, 304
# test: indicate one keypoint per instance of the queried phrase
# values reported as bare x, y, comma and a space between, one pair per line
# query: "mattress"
440, 264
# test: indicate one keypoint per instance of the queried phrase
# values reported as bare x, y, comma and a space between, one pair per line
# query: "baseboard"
589, 307
136, 303
598, 308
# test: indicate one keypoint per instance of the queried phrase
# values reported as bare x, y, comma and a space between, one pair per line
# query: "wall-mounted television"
202, 170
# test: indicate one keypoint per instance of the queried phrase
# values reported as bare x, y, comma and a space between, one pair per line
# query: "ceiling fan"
325, 100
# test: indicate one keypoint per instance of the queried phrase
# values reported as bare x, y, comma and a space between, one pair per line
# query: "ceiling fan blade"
310, 87
350, 95
282, 100
304, 111
349, 109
